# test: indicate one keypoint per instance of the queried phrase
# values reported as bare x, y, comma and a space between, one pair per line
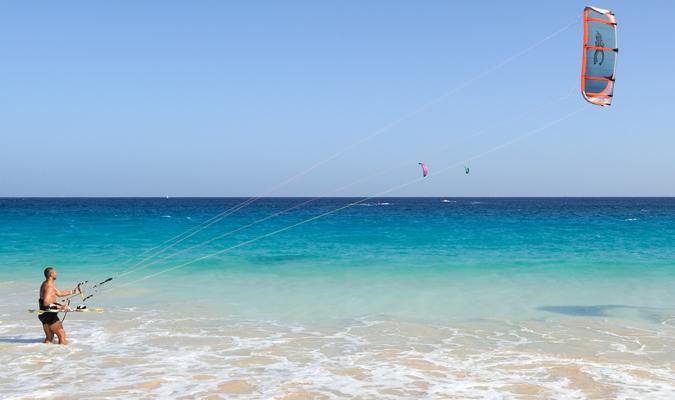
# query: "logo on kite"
424, 169
466, 169
598, 43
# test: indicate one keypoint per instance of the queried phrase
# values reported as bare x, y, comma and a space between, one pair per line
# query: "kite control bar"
93, 287
80, 284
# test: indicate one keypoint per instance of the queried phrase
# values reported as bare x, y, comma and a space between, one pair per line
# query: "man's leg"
57, 328
48, 333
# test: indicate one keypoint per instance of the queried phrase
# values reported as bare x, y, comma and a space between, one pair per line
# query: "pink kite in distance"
424, 169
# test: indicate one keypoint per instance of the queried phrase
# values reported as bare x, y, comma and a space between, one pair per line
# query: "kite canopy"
600, 52
424, 169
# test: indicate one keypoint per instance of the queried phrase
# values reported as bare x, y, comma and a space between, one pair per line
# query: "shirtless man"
50, 320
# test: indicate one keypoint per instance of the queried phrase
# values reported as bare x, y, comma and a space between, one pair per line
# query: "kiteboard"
74, 311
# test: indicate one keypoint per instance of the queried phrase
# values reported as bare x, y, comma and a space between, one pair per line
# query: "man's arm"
59, 293
68, 293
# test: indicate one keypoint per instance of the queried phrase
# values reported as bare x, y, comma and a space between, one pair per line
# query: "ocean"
426, 298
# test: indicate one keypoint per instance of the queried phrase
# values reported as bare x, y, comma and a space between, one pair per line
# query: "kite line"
126, 272
351, 204
193, 231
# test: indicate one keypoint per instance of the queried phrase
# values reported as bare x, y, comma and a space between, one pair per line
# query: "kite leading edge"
598, 67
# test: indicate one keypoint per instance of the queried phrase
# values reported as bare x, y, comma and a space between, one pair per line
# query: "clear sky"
156, 98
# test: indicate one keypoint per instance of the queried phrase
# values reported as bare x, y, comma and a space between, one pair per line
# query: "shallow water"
416, 298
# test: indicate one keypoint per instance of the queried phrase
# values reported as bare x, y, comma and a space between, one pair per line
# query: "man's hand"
78, 290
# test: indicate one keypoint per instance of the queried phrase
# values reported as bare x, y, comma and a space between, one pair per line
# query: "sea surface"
288, 298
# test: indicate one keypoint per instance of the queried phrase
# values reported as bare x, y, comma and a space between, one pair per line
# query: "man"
50, 320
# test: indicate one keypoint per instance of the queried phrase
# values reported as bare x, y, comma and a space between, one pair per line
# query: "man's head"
49, 272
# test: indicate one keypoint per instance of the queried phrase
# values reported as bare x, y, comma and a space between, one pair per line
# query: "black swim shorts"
49, 318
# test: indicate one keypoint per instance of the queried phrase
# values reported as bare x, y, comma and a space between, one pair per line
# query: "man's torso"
47, 293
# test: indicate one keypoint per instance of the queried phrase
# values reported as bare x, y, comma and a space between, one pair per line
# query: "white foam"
137, 354
200, 351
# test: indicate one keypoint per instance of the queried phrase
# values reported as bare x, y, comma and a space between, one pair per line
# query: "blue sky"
232, 98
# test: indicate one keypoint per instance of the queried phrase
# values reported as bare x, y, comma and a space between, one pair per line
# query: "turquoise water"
421, 255
493, 286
